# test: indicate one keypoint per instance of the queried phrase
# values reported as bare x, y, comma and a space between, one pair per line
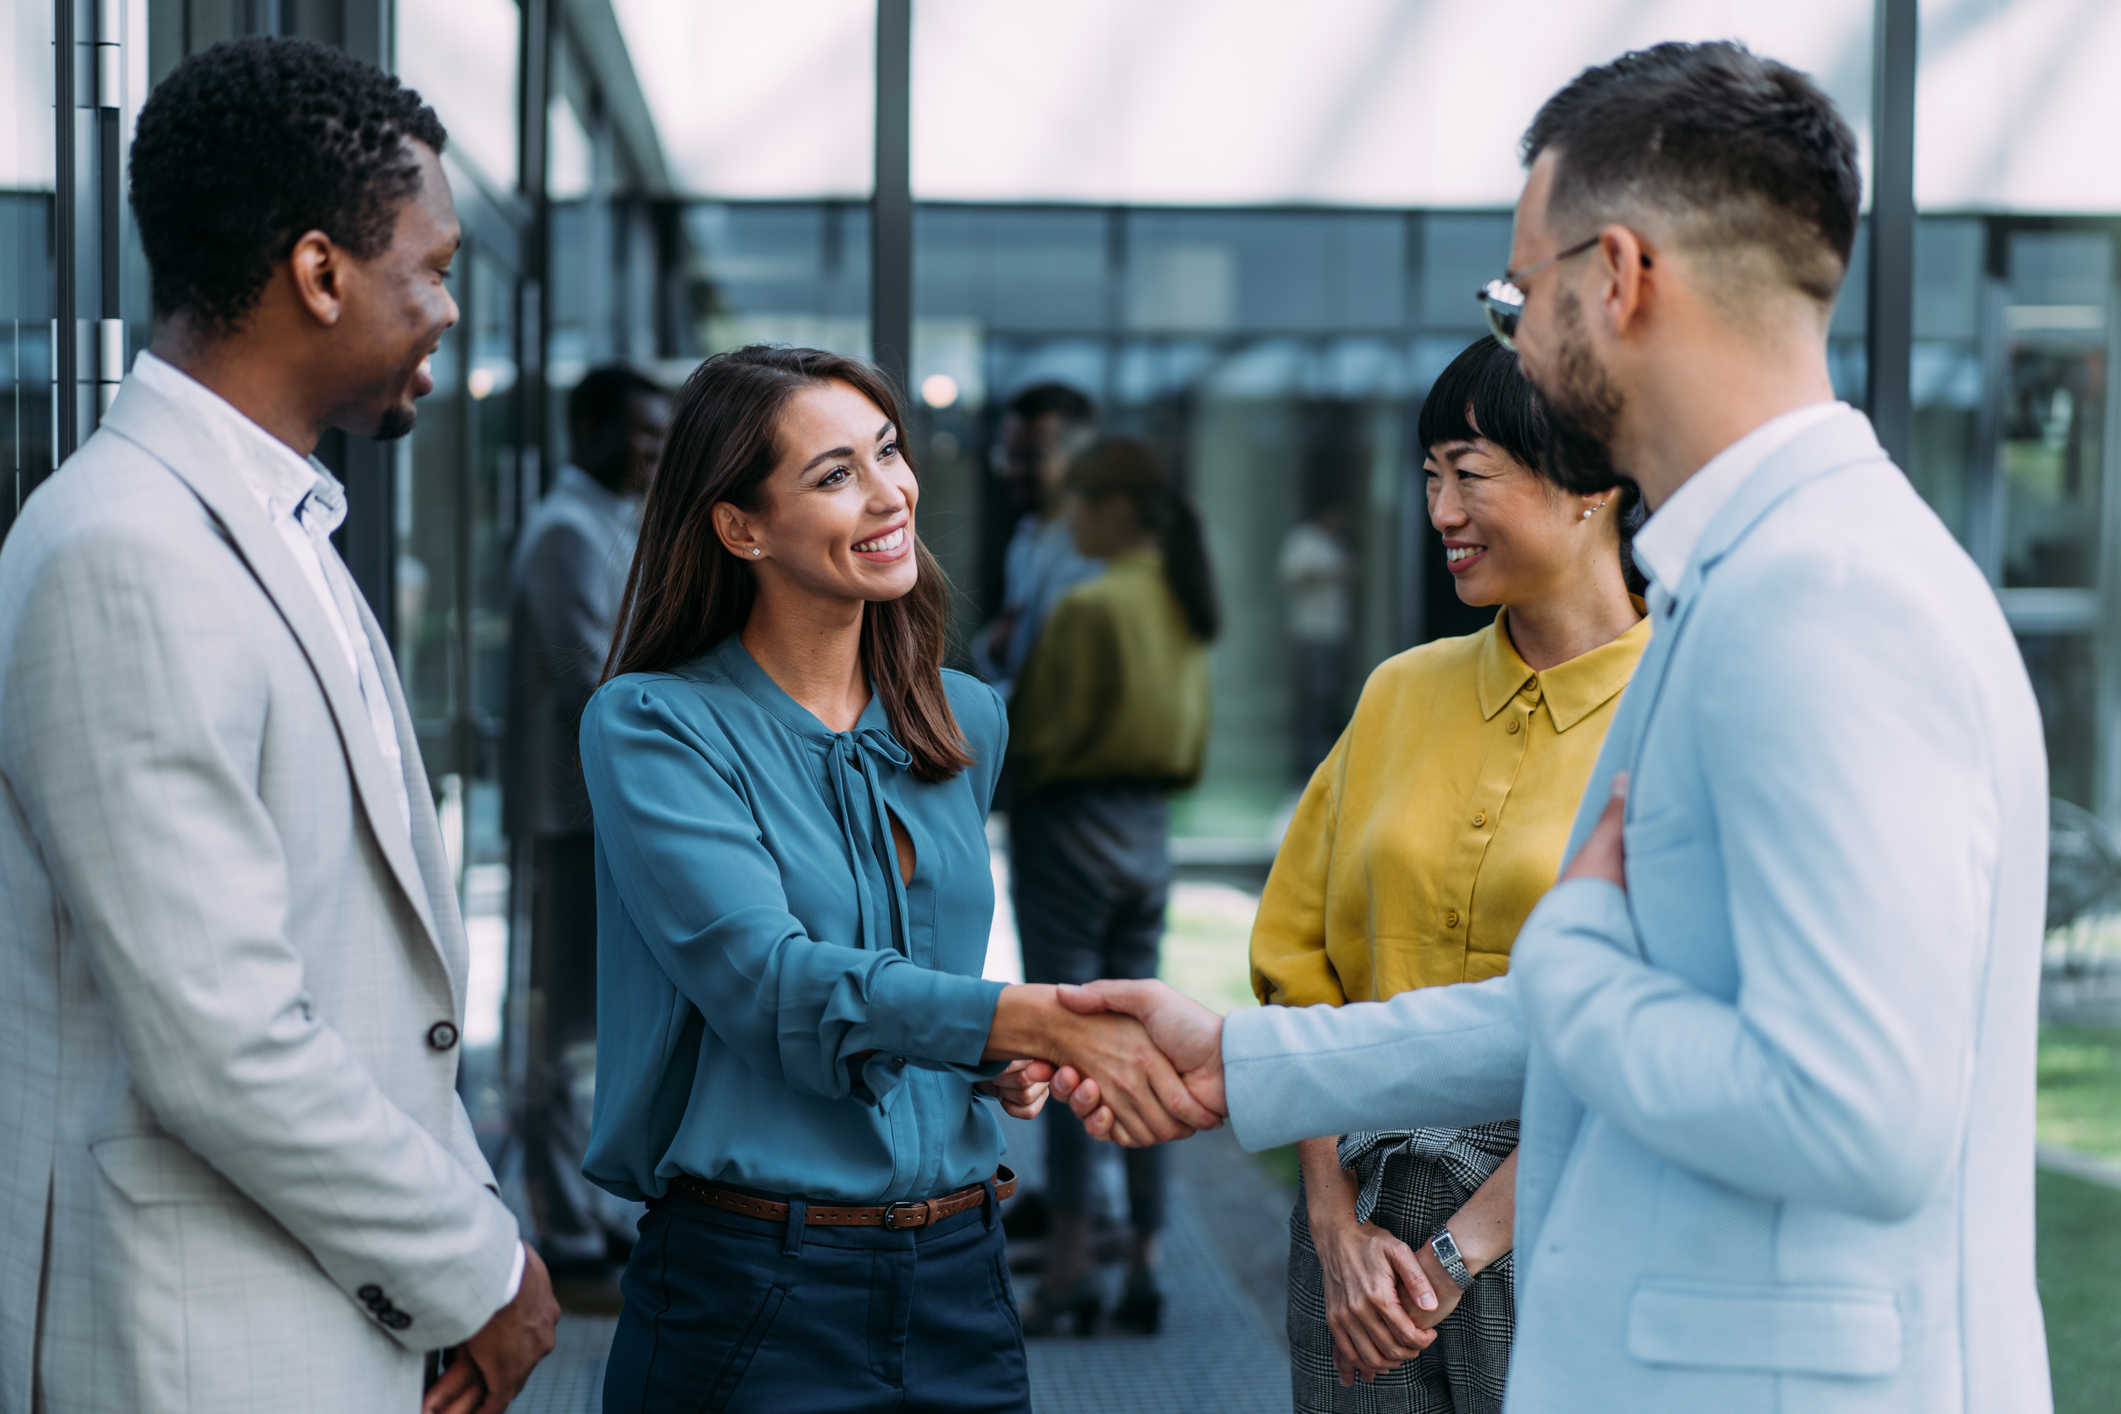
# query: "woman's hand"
1022, 1088
1374, 1285
1374, 1292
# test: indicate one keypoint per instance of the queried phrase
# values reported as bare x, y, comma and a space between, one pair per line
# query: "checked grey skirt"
1412, 1181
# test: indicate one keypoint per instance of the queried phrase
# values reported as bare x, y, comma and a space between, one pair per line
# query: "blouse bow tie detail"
858, 763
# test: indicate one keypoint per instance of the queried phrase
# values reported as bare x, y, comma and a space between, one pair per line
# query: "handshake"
1138, 1062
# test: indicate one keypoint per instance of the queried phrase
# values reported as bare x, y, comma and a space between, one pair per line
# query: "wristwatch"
1447, 1253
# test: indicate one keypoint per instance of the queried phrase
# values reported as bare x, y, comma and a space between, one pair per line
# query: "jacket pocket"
1669, 825
1850, 1331
154, 1168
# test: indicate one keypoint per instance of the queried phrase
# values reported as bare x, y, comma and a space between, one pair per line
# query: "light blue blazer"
1777, 1098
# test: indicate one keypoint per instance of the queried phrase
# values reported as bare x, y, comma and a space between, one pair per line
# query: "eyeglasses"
1504, 299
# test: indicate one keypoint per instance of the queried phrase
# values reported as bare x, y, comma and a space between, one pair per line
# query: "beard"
1583, 408
395, 423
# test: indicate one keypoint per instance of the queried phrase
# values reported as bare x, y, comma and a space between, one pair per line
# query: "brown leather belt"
891, 1215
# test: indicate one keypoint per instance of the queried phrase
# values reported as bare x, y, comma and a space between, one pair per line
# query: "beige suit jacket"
236, 1174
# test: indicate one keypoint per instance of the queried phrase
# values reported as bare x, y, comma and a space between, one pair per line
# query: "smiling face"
395, 307
1509, 536
835, 517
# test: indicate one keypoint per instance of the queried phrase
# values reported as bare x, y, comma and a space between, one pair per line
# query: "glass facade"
1275, 359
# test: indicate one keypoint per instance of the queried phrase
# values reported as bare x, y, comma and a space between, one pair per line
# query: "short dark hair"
1058, 399
1747, 152
602, 398
1484, 394
248, 146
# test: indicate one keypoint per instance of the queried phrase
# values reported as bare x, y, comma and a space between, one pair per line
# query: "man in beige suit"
236, 1174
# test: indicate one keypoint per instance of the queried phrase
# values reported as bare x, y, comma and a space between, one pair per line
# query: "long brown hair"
686, 592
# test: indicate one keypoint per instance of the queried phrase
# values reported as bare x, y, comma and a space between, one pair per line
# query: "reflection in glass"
2054, 411
427, 536
26, 273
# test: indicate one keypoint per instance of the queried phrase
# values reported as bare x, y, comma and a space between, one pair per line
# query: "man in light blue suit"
1771, 1037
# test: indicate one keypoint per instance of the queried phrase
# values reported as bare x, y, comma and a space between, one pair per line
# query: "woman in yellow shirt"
1108, 717
1414, 856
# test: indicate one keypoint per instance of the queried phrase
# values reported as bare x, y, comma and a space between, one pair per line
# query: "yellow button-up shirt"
1117, 688
1437, 822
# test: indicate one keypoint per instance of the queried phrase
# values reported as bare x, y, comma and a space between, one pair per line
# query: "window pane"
26, 156
2054, 414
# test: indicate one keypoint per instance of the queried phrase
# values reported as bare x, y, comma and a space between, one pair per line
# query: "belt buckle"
893, 1213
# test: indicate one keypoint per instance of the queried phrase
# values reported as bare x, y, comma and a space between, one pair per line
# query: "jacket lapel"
167, 433
1553, 1115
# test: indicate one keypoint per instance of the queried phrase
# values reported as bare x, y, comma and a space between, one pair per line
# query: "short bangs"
1485, 394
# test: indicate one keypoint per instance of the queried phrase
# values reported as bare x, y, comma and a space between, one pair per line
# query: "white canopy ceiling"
1339, 102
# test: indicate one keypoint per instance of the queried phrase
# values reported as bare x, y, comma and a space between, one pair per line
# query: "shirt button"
442, 1035
1515, 726
1480, 817
1450, 920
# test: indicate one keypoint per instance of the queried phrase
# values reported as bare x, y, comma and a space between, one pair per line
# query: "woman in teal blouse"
799, 1066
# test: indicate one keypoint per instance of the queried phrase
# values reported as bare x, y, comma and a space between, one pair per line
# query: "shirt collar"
275, 474
1573, 690
1667, 539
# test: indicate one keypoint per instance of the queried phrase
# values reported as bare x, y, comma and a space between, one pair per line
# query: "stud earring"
1587, 514
756, 552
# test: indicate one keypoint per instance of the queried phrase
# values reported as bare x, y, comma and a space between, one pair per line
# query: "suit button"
442, 1035
1450, 920
1514, 727
370, 1294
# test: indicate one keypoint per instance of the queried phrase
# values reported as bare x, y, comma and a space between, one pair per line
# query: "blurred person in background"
1046, 426
1111, 714
1416, 853
1317, 572
800, 1069
564, 590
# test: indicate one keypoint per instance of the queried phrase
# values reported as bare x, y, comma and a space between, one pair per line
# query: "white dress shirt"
1667, 539
305, 504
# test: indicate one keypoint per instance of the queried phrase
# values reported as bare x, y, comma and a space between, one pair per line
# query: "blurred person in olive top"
1045, 428
1420, 846
1111, 713
564, 589
800, 1069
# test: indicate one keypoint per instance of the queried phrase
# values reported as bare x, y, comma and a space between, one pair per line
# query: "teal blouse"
754, 937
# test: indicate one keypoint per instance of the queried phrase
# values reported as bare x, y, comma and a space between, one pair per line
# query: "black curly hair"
248, 146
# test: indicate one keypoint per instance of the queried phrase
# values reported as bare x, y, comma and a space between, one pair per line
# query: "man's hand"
1147, 1101
1375, 1286
1186, 1032
1604, 855
490, 1368
1022, 1088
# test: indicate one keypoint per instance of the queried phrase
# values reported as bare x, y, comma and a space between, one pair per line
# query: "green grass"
2080, 1089
1207, 942
2080, 1287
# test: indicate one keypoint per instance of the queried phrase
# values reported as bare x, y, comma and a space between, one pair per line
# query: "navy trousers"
724, 1312
1091, 867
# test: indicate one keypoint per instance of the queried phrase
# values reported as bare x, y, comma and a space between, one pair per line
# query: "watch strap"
1448, 1257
